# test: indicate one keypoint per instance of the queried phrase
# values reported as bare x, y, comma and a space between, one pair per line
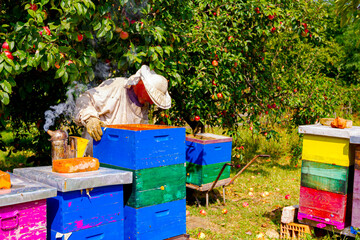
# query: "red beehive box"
325, 207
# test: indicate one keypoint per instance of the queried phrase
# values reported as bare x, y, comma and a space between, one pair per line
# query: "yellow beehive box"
328, 145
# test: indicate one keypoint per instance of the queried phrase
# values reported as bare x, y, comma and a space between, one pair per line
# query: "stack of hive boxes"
87, 205
327, 175
206, 154
155, 203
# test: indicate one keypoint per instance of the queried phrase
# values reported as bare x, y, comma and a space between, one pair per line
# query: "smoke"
66, 109
102, 70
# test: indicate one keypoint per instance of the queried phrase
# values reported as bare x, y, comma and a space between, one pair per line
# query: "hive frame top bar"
66, 182
328, 131
25, 190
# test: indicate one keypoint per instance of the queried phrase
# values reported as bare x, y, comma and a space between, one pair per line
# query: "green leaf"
8, 68
59, 73
101, 33
4, 98
6, 86
97, 26
11, 81
65, 77
43, 2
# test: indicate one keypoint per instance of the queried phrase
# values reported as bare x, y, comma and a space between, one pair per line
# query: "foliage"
228, 62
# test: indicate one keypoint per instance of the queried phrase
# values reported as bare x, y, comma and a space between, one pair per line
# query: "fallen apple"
201, 235
245, 204
251, 194
224, 211
187, 213
202, 212
251, 189
287, 196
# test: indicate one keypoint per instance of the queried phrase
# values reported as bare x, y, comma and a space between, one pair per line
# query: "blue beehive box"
110, 231
156, 222
139, 146
84, 201
208, 148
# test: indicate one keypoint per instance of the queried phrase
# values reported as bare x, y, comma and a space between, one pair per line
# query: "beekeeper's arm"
88, 109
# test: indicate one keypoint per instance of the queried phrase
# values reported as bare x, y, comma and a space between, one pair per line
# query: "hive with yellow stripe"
327, 174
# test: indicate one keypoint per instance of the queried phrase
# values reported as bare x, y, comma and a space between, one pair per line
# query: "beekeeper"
121, 101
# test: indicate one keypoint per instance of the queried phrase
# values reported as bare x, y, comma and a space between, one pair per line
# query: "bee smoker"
60, 149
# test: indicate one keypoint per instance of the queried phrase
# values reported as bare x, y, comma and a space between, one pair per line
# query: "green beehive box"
203, 174
326, 177
152, 186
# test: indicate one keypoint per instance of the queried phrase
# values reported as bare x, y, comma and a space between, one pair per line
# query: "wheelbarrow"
207, 188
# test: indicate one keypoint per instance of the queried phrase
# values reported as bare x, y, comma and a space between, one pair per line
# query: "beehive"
139, 146
86, 202
203, 174
327, 175
23, 209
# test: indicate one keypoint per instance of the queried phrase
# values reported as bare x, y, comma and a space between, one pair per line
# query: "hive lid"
328, 131
66, 182
25, 190
206, 138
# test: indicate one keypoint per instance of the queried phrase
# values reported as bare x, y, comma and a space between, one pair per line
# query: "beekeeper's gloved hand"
93, 126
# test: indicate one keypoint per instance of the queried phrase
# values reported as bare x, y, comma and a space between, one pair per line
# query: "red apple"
274, 105
295, 90
5, 46
287, 196
124, 35
224, 211
245, 204
187, 213
47, 30
9, 55
235, 64
80, 37
273, 29
215, 63
214, 13
70, 62
251, 128
214, 83
265, 134
230, 38
33, 7
271, 17
219, 95
201, 235
305, 25
257, 10
202, 212
197, 118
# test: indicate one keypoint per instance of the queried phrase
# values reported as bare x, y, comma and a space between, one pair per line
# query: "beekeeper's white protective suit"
115, 102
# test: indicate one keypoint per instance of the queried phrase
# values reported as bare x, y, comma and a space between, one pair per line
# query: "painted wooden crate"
82, 209
355, 217
156, 222
327, 177
325, 207
207, 148
84, 200
110, 231
203, 174
152, 186
23, 209
139, 146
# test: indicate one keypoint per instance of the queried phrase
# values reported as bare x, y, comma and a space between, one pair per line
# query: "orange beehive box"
72, 165
5, 182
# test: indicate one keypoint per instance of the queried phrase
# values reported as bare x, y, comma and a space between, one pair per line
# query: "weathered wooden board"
152, 186
357, 156
139, 146
83, 209
111, 231
323, 176
324, 206
24, 221
355, 218
161, 221
203, 174
329, 150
